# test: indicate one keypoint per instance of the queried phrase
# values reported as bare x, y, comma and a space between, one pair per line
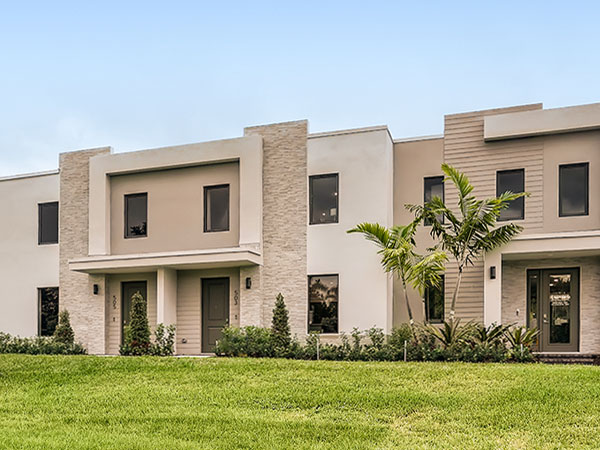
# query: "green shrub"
247, 341
164, 340
39, 345
136, 341
280, 328
64, 332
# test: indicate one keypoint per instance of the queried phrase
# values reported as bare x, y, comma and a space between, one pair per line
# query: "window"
323, 303
47, 310
323, 194
573, 190
433, 187
216, 208
48, 223
434, 303
136, 215
513, 181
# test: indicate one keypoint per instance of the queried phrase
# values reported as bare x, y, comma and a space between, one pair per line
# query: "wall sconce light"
96, 289
492, 272
248, 282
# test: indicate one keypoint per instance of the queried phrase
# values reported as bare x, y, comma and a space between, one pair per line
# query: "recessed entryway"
215, 311
553, 308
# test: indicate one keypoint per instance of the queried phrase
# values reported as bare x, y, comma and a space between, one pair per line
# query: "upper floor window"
573, 189
433, 187
216, 208
48, 223
323, 303
136, 215
323, 195
47, 310
434, 303
513, 181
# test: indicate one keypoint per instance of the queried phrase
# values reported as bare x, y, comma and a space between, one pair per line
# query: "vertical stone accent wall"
284, 228
76, 292
514, 294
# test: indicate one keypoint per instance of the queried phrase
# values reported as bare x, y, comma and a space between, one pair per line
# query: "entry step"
590, 359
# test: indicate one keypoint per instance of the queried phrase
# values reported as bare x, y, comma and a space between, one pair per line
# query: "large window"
434, 303
48, 223
323, 194
136, 215
513, 181
323, 303
216, 208
433, 187
573, 190
47, 310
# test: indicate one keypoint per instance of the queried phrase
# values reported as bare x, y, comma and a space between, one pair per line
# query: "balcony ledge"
179, 260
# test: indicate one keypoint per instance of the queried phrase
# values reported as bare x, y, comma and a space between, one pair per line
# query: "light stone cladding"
76, 289
284, 229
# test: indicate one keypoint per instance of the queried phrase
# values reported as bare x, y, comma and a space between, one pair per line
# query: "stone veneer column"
76, 289
284, 266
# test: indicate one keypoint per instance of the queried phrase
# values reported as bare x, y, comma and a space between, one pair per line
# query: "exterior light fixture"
96, 289
248, 282
492, 272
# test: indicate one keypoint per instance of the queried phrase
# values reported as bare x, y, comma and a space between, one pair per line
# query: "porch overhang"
531, 246
184, 260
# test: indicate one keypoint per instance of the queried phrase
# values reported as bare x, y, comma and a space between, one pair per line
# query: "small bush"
280, 328
247, 341
64, 332
136, 341
164, 340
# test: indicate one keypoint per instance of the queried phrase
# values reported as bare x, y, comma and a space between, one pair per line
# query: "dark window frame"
311, 195
308, 279
522, 199
425, 179
426, 300
587, 189
40, 207
39, 306
126, 218
206, 190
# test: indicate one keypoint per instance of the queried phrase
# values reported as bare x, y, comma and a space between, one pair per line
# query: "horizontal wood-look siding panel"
465, 149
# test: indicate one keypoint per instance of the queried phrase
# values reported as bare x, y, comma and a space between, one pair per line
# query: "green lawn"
95, 402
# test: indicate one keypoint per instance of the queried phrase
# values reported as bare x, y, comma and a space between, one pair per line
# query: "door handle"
545, 320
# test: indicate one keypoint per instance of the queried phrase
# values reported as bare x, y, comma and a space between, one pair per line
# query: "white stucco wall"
364, 162
24, 265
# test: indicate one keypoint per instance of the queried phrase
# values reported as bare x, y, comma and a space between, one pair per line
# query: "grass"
174, 403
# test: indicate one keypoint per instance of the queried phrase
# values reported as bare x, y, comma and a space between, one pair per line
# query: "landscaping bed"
150, 402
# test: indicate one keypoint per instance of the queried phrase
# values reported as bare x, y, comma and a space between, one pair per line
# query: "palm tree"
473, 230
398, 255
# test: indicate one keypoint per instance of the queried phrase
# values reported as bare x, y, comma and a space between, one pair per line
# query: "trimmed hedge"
374, 345
39, 346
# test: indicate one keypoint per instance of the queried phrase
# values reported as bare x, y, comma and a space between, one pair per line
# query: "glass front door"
553, 308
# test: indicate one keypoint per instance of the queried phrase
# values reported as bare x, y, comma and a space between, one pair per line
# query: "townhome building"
210, 233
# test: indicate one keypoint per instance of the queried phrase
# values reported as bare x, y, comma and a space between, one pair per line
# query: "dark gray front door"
215, 311
129, 288
556, 313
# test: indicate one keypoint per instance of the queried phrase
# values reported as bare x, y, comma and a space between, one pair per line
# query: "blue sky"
146, 74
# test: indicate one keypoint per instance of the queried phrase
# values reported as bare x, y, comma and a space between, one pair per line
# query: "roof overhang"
541, 122
186, 260
553, 245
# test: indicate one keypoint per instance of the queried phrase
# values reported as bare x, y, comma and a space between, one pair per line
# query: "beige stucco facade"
270, 247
